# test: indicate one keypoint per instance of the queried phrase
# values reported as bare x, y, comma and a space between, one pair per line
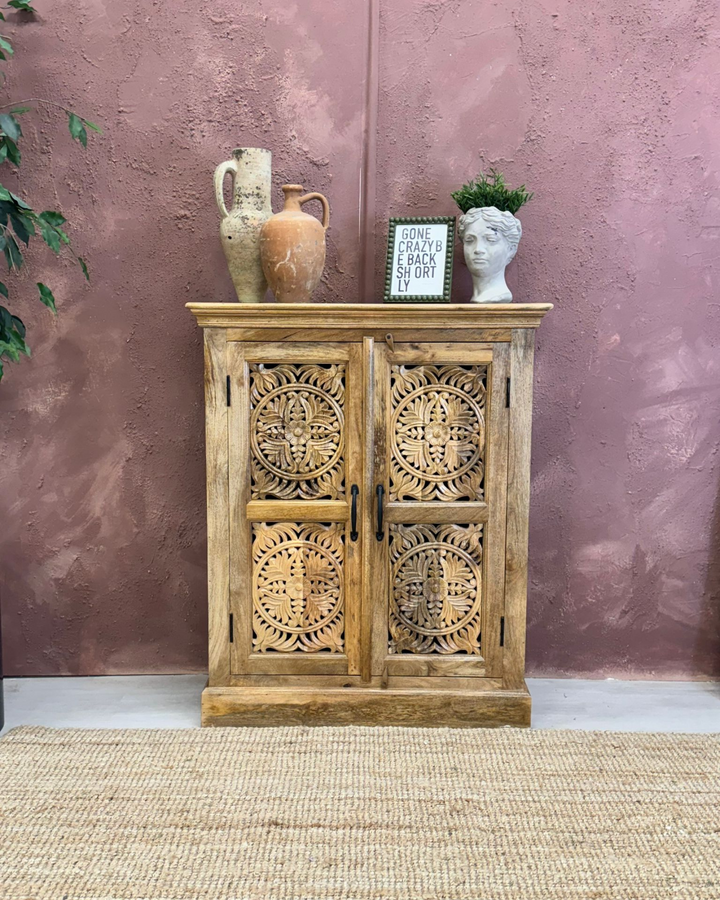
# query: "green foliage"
490, 190
19, 221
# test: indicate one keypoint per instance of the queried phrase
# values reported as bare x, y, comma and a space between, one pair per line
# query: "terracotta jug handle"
325, 205
220, 173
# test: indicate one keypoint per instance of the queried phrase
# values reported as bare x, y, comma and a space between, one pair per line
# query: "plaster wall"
609, 112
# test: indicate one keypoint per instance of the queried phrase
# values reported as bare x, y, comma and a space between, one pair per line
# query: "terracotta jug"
292, 247
251, 171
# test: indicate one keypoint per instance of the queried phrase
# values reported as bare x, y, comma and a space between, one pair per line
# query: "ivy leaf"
19, 201
92, 126
77, 130
46, 296
12, 335
6, 46
11, 150
13, 256
10, 125
22, 5
7, 349
49, 235
5, 194
22, 226
52, 218
83, 266
3, 290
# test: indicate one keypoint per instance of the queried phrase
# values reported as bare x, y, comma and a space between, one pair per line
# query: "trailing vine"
20, 222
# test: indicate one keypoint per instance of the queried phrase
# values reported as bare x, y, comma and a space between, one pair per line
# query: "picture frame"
419, 265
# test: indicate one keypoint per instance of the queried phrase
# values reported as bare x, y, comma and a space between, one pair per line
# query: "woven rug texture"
358, 814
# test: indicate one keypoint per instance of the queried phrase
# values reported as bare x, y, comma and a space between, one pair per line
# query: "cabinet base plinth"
260, 706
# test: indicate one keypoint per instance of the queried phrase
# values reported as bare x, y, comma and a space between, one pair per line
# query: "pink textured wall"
609, 111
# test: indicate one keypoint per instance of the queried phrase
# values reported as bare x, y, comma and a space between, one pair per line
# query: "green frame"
449, 255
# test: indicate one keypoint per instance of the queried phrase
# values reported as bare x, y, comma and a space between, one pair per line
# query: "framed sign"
420, 259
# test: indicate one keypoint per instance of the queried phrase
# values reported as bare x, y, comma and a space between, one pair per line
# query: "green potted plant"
489, 232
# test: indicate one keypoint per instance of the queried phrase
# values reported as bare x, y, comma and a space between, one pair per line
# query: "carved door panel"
295, 468
440, 468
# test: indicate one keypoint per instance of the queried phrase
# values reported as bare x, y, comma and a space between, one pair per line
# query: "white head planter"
490, 240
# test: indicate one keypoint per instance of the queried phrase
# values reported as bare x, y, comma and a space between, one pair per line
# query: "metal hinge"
502, 631
227, 389
507, 396
231, 628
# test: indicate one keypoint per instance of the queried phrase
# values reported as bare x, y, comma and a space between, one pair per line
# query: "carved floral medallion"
437, 432
436, 588
297, 587
297, 431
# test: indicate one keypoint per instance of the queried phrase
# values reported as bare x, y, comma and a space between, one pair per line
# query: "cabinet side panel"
496, 476
518, 506
216, 448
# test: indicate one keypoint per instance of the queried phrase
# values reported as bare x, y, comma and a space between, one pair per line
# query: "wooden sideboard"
368, 475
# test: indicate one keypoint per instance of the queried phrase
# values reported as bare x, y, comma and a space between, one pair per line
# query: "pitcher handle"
220, 173
325, 205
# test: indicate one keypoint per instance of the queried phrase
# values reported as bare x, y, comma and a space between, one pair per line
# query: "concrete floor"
173, 701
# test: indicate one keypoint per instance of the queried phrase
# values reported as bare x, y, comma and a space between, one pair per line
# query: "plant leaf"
77, 130
19, 201
3, 290
22, 226
13, 256
49, 235
6, 46
52, 218
11, 150
83, 266
46, 296
92, 126
10, 126
23, 5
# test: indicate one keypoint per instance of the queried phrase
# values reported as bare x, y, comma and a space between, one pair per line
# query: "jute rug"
358, 814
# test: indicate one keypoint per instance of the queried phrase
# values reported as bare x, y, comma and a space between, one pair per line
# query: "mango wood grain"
298, 664
496, 491
518, 505
251, 706
369, 315
439, 352
379, 572
436, 512
369, 562
239, 492
360, 331
427, 665
307, 352
297, 510
216, 451
443, 682
354, 476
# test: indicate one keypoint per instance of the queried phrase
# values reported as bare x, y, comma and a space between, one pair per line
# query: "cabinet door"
295, 459
441, 438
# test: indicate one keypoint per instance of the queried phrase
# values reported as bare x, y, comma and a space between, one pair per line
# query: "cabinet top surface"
310, 315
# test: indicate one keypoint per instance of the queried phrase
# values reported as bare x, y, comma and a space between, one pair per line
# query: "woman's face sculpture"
487, 251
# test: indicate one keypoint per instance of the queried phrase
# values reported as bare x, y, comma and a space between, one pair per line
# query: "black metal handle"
379, 490
353, 513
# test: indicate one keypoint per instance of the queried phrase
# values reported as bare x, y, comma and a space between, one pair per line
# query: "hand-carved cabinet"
368, 471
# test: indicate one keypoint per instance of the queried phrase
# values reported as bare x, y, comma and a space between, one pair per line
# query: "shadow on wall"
706, 658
